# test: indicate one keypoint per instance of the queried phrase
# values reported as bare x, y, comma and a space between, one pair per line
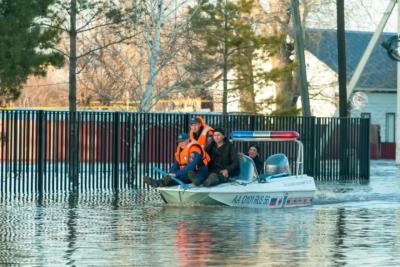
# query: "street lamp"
392, 46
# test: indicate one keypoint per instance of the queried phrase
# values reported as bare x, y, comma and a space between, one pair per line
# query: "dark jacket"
259, 164
224, 157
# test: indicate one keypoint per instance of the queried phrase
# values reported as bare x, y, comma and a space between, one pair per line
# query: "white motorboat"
276, 188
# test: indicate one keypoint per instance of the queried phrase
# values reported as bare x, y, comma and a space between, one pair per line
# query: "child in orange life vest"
189, 157
200, 132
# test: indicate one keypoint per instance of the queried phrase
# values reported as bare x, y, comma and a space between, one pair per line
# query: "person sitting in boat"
253, 152
224, 159
189, 157
200, 131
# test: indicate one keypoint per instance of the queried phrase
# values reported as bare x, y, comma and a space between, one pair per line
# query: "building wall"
379, 105
322, 86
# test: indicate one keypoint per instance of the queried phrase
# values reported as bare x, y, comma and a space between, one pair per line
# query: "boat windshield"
248, 171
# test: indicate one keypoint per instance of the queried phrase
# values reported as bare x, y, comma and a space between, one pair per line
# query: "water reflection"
338, 255
236, 237
72, 231
134, 228
192, 244
118, 232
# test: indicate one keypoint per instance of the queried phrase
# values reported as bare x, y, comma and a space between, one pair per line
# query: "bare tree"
77, 19
151, 66
160, 51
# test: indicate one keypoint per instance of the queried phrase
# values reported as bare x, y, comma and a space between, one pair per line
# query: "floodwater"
348, 225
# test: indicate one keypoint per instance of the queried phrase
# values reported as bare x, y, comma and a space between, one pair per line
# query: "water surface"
349, 225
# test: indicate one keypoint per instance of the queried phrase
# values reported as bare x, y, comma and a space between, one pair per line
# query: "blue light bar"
250, 134
286, 135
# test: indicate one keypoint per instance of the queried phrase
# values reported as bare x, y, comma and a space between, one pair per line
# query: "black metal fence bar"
116, 149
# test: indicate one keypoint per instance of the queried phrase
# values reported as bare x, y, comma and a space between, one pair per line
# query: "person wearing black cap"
224, 159
189, 157
200, 132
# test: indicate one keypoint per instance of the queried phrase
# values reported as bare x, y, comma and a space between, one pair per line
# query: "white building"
377, 83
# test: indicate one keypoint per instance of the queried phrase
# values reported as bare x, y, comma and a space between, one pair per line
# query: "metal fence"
116, 149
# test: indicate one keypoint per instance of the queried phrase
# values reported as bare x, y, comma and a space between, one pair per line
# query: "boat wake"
326, 195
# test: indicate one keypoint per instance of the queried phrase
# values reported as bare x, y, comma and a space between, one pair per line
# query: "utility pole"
398, 94
299, 46
73, 124
341, 40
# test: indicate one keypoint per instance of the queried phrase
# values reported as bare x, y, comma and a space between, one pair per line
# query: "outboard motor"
276, 164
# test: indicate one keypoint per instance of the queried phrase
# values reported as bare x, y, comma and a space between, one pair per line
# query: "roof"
380, 71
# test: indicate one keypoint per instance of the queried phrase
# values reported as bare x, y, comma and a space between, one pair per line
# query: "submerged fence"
117, 149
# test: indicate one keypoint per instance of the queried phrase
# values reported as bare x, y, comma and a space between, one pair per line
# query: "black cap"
220, 130
194, 120
182, 137
256, 146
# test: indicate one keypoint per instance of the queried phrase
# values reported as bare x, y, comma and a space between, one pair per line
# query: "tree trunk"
246, 83
279, 16
73, 131
299, 46
225, 71
154, 52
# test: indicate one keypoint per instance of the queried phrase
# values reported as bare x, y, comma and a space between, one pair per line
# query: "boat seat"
248, 170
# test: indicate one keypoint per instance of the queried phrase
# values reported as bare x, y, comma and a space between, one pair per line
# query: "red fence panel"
388, 150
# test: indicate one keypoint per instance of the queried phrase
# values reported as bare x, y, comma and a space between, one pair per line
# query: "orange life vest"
182, 155
202, 140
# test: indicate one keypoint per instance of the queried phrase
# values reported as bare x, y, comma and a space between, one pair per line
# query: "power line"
46, 85
52, 84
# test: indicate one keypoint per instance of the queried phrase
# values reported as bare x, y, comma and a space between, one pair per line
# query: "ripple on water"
383, 187
350, 224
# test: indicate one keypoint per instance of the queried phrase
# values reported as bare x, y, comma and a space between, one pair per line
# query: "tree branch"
105, 46
64, 29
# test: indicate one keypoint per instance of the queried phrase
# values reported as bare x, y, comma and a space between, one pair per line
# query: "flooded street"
349, 224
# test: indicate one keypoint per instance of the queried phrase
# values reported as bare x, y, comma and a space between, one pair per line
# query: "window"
390, 128
365, 115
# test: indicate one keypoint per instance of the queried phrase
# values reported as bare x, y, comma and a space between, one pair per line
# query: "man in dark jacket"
224, 159
254, 153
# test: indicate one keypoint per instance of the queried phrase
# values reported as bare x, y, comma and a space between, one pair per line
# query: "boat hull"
282, 192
